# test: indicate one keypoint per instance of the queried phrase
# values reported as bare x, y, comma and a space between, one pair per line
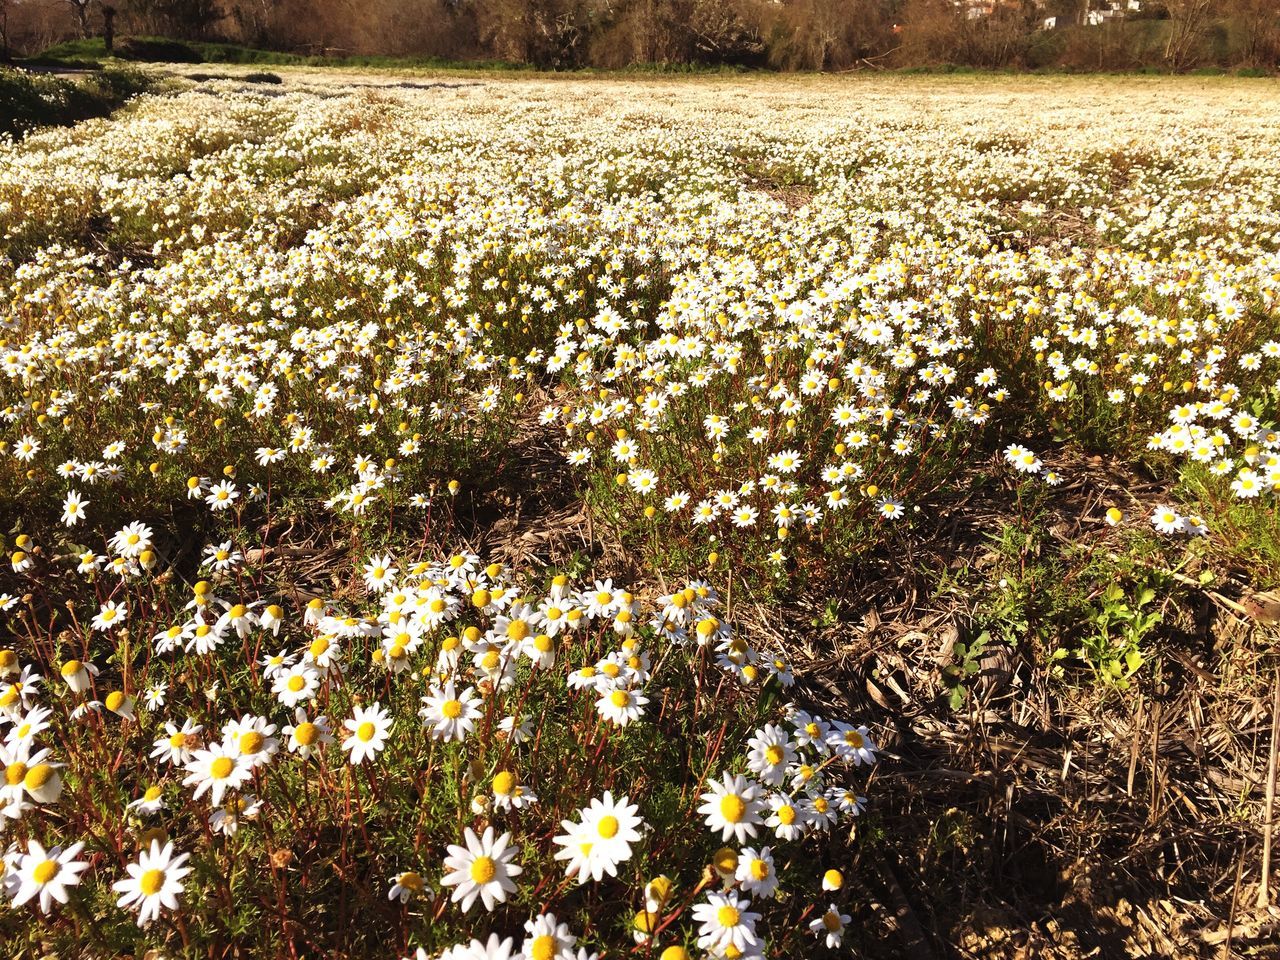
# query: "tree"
81, 10
1259, 24
1187, 19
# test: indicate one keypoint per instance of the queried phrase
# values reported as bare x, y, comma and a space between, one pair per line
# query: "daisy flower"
481, 869
73, 508
154, 881
45, 874
111, 615
602, 840
1166, 520
307, 736
451, 716
769, 753
621, 706
406, 886
369, 728
216, 770
725, 923
732, 806
546, 938
830, 926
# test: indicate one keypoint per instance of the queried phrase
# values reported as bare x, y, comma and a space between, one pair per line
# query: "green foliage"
1113, 643
967, 663
29, 100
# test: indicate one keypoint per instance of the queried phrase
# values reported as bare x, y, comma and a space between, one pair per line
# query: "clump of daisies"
465, 733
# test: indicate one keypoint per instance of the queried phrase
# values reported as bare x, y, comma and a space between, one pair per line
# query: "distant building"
1110, 10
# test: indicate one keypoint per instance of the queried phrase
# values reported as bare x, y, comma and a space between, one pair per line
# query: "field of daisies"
437, 514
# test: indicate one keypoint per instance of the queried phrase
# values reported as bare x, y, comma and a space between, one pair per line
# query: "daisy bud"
272, 618
643, 925
725, 863
657, 892
76, 674
153, 835
832, 880
119, 704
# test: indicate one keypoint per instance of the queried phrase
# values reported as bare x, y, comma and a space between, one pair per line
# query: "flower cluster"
505, 708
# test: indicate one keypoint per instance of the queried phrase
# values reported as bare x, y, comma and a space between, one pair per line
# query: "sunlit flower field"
270, 686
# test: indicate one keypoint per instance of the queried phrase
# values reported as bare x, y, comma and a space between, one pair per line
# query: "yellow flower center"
831, 921
732, 808
544, 947
251, 742
296, 682
38, 776
152, 794
178, 740
490, 659
483, 870
608, 827
517, 630
45, 872
319, 647
727, 916
773, 753
411, 881
760, 869
451, 709
15, 773
366, 731
620, 698
504, 783
306, 733
151, 882
787, 815
71, 668
115, 700
221, 768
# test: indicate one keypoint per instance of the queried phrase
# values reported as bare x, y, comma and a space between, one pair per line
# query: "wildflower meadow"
588, 518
